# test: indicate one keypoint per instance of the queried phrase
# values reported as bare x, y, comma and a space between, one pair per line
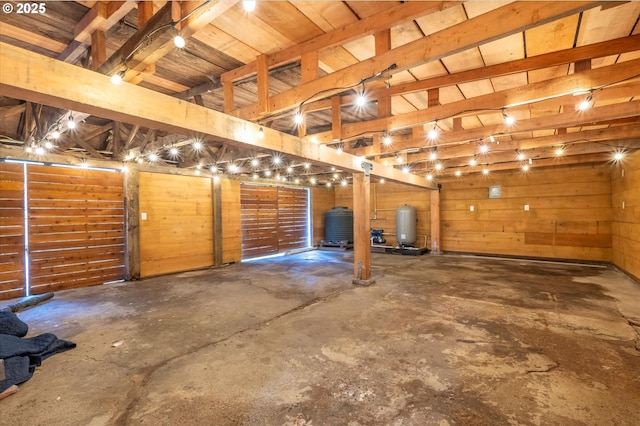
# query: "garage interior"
176, 201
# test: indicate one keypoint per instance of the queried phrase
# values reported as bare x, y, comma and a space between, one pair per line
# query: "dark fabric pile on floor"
19, 355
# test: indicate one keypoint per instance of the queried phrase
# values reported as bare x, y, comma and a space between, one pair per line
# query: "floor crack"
141, 378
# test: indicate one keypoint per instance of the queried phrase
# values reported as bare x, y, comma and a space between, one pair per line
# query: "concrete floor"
438, 340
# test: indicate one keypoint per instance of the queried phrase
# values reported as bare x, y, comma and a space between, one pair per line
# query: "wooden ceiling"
455, 67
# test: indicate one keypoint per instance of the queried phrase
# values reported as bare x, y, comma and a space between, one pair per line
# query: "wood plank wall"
12, 276
231, 222
385, 200
76, 227
177, 234
322, 199
569, 214
626, 221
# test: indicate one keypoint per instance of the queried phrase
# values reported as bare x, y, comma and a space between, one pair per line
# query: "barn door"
12, 270
75, 227
273, 219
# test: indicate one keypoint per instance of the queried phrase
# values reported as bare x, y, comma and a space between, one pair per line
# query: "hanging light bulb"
307, 165
249, 5
343, 183
298, 119
458, 173
117, 78
260, 133
255, 162
485, 172
433, 133
433, 155
406, 170
55, 134
473, 162
40, 150
361, 99
520, 156
48, 145
386, 140
438, 166
197, 145
508, 119
525, 167
339, 150
213, 169
70, 123
586, 103
381, 180
179, 41
484, 149
267, 173
174, 151
618, 156
429, 177
312, 181
559, 151
153, 157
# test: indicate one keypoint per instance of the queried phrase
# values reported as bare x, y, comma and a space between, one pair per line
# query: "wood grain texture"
322, 199
626, 221
178, 232
231, 225
569, 214
12, 273
76, 227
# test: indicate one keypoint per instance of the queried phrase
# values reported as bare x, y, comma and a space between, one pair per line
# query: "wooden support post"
382, 45
132, 223
436, 246
216, 198
98, 49
433, 97
457, 124
228, 102
263, 84
309, 66
361, 229
336, 118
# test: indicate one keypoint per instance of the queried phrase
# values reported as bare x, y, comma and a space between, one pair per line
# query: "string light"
70, 123
197, 145
485, 172
339, 150
484, 149
260, 133
40, 150
429, 177
267, 173
48, 145
55, 134
381, 180
433, 133
458, 173
525, 167
118, 77
618, 156
433, 155
213, 169
343, 183
520, 156
386, 140
508, 119
584, 105
473, 162
153, 157
233, 168
438, 166
179, 41
298, 119
249, 5
307, 165
559, 151
255, 162
312, 181
361, 100
406, 170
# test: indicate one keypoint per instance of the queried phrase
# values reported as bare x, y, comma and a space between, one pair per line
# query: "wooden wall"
231, 222
626, 221
569, 213
322, 199
177, 234
385, 199
12, 276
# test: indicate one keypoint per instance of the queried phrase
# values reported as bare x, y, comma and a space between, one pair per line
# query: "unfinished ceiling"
439, 79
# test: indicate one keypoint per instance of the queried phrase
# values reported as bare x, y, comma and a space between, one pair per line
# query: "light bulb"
55, 134
267, 173
249, 5
233, 168
117, 78
48, 145
559, 151
509, 120
386, 141
484, 149
153, 157
473, 162
174, 151
433, 155
298, 118
343, 183
307, 165
261, 133
179, 41
71, 124
433, 133
525, 168
618, 156
429, 176
399, 160
213, 169
458, 173
197, 145
312, 181
485, 172
405, 170
520, 156
585, 104
40, 150
381, 180
361, 100
438, 166
339, 150
255, 162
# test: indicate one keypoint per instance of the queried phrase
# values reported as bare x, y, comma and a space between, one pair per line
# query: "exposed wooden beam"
515, 17
521, 95
381, 21
137, 105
